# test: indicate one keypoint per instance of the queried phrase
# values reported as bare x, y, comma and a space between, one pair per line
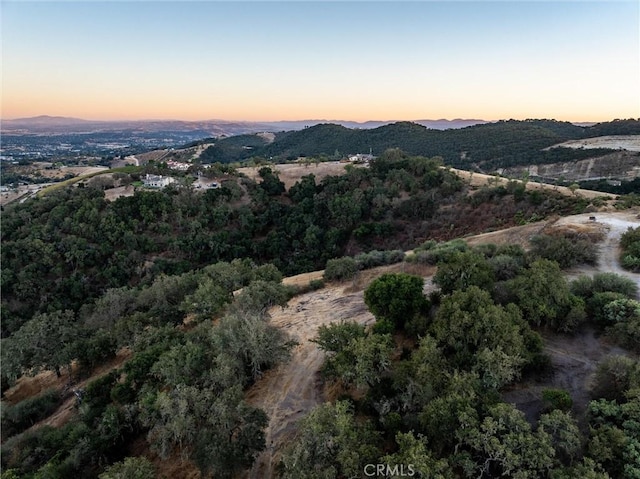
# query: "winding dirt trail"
288, 392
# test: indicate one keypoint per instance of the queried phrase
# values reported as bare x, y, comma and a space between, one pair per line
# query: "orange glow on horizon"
131, 109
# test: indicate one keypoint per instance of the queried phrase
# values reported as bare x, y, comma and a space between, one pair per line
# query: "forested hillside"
180, 283
484, 147
68, 246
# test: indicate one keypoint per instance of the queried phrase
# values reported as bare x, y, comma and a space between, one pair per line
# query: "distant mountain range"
63, 125
483, 147
469, 144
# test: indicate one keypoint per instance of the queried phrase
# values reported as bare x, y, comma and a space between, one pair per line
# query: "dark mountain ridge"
485, 147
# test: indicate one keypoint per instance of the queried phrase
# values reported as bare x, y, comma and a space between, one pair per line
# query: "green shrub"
514, 250
566, 252
96, 350
596, 306
556, 399
267, 272
316, 284
586, 286
259, 296
25, 414
130, 468
627, 201
432, 253
630, 244
340, 269
396, 297
624, 317
505, 266
488, 250
632, 263
97, 396
615, 376
383, 326
378, 258
574, 318
33, 449
462, 270
616, 283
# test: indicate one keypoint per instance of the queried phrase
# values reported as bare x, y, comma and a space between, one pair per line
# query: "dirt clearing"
614, 225
290, 173
618, 142
574, 359
113, 194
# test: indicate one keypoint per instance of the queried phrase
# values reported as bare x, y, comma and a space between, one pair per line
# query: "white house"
157, 181
361, 158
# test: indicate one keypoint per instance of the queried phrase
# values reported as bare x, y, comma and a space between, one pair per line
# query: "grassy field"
71, 181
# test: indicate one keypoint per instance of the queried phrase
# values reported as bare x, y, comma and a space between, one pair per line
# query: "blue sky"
577, 61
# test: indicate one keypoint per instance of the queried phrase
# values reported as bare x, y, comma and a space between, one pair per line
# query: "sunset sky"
575, 61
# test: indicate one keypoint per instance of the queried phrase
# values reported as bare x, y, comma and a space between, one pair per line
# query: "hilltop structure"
157, 181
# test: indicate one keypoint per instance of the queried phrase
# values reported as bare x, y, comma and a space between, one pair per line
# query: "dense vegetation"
484, 147
420, 391
625, 187
181, 389
64, 248
630, 244
180, 283
232, 149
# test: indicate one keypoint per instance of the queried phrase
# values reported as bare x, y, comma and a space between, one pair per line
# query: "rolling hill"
483, 147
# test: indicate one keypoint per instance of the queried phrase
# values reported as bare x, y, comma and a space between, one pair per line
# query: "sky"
363, 60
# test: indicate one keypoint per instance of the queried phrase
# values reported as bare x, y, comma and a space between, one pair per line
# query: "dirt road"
479, 179
616, 223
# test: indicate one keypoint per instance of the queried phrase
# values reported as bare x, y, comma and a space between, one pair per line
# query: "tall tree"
45, 342
396, 297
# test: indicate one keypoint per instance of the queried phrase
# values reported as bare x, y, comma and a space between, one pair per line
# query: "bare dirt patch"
82, 170
574, 359
63, 171
621, 142
288, 392
290, 173
303, 279
113, 194
519, 235
621, 165
154, 155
